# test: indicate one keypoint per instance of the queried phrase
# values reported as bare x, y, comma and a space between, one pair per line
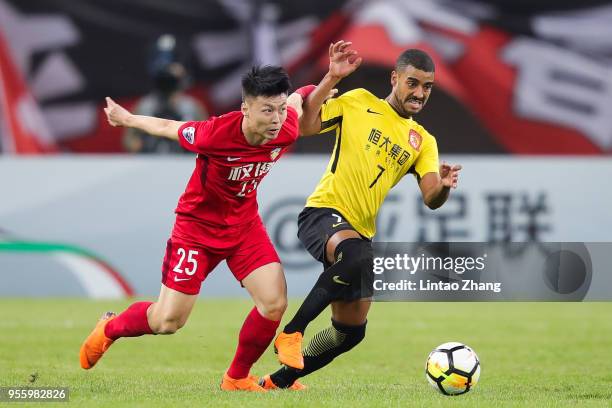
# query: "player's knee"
357, 259
353, 334
273, 309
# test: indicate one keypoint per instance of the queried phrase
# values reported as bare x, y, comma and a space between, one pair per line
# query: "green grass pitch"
532, 354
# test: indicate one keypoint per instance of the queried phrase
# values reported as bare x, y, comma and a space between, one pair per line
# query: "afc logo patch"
189, 134
274, 154
415, 140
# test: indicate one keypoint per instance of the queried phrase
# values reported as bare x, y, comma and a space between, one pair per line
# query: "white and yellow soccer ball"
452, 368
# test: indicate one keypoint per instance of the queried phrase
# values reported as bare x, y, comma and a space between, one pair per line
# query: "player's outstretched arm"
342, 62
117, 115
296, 100
435, 188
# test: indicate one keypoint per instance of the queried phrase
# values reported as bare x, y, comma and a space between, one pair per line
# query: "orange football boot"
268, 384
242, 384
289, 349
96, 343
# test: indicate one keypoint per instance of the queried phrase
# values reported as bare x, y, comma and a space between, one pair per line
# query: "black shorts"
317, 225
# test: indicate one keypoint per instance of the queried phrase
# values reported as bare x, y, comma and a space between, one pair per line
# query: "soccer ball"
452, 368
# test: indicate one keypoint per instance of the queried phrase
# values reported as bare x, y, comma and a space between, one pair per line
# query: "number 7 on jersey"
382, 170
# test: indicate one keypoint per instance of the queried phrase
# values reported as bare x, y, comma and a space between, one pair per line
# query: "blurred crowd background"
513, 77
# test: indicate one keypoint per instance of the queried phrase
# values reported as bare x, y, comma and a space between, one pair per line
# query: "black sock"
322, 349
320, 296
353, 257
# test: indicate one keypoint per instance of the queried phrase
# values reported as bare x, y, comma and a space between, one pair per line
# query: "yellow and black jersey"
375, 148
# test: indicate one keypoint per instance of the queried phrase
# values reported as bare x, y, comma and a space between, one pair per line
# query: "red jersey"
222, 190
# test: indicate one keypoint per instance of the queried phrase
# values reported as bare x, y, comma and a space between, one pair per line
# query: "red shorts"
195, 249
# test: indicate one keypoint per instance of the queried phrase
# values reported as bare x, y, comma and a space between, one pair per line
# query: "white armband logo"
189, 134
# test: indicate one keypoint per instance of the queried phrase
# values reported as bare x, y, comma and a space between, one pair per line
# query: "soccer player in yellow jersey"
377, 143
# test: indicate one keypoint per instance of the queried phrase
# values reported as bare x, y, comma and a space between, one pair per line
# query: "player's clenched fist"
116, 114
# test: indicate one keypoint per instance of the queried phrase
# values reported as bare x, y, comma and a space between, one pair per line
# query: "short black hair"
417, 58
267, 80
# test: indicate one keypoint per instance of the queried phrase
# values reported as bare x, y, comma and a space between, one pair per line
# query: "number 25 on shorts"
191, 262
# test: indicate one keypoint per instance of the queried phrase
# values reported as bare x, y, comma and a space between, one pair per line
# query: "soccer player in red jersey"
217, 219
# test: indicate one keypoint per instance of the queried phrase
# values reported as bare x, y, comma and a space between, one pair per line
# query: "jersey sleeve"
427, 162
193, 136
331, 114
333, 109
